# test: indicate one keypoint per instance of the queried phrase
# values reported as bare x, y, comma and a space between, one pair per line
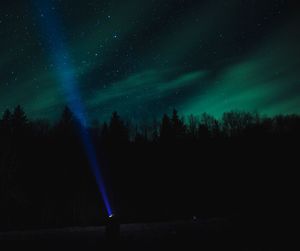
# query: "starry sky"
144, 58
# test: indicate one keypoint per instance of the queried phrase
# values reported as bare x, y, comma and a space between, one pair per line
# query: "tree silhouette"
208, 122
67, 119
178, 126
117, 130
19, 121
211, 166
166, 128
5, 121
5, 127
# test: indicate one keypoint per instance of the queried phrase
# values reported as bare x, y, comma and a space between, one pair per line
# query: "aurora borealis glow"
143, 58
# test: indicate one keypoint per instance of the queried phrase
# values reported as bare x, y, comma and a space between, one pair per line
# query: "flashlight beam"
53, 35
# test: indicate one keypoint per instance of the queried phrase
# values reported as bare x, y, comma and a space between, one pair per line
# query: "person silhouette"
113, 229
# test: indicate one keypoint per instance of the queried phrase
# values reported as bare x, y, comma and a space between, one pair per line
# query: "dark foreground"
213, 234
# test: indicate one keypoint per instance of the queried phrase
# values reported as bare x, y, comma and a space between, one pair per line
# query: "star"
174, 51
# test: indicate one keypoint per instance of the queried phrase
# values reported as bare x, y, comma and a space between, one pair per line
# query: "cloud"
142, 89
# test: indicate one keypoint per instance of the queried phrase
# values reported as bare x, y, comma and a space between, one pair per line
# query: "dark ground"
242, 182
194, 234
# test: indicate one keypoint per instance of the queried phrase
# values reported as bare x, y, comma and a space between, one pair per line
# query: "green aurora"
144, 58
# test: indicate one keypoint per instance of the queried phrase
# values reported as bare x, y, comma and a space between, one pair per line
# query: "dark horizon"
46, 172
145, 121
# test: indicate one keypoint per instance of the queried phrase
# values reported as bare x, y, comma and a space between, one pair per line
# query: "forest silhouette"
240, 166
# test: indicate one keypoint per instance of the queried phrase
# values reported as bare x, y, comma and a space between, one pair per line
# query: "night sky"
145, 57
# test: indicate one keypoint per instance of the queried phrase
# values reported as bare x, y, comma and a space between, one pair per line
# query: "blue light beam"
52, 33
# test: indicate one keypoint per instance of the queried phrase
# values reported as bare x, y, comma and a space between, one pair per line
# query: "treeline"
173, 167
235, 124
